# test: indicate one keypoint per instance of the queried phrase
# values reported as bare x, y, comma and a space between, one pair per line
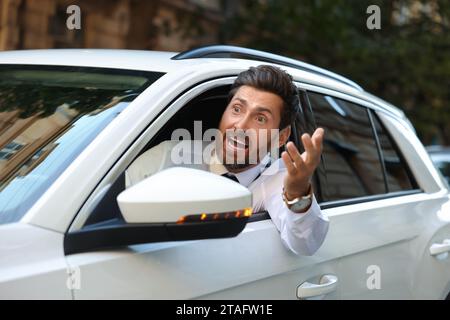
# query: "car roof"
161, 61
103, 58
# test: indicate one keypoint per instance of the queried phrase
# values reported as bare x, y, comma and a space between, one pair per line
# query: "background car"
441, 158
72, 121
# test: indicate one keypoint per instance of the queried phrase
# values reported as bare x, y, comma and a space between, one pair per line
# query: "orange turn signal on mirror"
245, 213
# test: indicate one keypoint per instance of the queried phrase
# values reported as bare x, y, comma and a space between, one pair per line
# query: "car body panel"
33, 265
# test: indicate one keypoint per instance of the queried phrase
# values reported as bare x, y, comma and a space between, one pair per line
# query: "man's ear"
284, 136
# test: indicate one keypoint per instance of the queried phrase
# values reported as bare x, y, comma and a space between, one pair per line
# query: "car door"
253, 265
371, 192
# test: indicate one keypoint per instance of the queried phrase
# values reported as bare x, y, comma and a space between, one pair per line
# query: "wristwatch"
298, 205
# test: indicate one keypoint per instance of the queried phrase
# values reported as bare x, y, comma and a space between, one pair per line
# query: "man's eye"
261, 119
236, 109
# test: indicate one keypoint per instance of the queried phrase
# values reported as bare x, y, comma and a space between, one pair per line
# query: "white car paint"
32, 263
149, 202
394, 234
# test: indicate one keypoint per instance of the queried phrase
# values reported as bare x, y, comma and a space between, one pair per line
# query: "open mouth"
237, 143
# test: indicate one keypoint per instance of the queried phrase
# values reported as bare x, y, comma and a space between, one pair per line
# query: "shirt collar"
245, 177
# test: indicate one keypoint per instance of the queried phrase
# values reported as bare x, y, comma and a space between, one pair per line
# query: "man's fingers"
295, 155
288, 163
313, 145
317, 139
309, 147
312, 154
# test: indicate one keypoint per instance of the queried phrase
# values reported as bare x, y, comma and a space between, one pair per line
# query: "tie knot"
230, 176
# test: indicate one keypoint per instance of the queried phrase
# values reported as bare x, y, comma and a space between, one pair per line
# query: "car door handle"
438, 248
327, 284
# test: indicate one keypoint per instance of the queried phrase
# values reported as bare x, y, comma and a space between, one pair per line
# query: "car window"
350, 153
398, 176
48, 115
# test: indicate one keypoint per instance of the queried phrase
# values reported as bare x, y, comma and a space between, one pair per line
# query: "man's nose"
243, 123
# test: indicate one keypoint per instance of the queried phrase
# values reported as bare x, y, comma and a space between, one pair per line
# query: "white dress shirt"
302, 233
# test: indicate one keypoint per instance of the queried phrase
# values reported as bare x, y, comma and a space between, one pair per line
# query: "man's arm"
302, 233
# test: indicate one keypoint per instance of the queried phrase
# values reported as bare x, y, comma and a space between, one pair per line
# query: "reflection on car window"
397, 176
445, 168
48, 115
350, 153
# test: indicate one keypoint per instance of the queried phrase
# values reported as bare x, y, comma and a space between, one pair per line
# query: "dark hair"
274, 80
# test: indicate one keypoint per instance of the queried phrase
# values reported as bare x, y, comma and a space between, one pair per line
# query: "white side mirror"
174, 193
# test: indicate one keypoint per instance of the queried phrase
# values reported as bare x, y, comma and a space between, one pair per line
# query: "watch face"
301, 205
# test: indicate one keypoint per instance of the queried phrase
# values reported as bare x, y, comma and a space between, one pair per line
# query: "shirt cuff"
309, 216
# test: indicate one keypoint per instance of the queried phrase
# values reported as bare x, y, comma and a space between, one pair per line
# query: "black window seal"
376, 197
311, 125
379, 150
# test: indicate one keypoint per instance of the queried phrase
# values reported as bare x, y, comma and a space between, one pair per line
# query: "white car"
72, 121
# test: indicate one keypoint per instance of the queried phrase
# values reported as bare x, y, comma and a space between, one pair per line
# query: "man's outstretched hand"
300, 167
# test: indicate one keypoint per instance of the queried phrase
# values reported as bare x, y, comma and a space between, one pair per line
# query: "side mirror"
172, 205
176, 194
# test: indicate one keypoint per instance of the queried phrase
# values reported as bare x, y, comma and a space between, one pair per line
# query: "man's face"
246, 127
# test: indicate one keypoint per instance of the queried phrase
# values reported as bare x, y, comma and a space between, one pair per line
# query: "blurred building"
22, 139
131, 24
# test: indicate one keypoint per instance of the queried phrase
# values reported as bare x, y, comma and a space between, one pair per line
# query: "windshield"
48, 115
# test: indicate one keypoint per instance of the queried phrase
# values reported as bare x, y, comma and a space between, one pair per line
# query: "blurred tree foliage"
43, 100
406, 62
